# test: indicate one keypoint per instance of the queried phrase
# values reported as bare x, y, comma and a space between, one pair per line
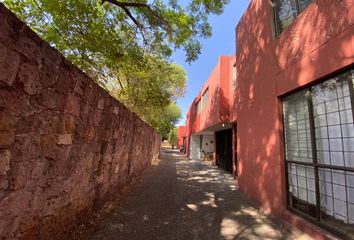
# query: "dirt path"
186, 199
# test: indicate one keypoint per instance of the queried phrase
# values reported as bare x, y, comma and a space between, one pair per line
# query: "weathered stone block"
51, 55
90, 134
9, 65
5, 157
72, 105
115, 110
29, 77
65, 139
7, 138
116, 134
97, 117
49, 73
4, 184
5, 30
100, 104
65, 83
50, 99
26, 146
6, 122
79, 86
22, 174
15, 102
67, 124
16, 203
27, 44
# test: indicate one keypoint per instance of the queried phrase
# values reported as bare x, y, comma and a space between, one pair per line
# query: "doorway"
223, 149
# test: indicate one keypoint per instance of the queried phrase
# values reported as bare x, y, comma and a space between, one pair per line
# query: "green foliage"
95, 34
153, 84
125, 45
164, 119
173, 137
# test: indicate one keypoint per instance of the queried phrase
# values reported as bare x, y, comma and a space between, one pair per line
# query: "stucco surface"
316, 45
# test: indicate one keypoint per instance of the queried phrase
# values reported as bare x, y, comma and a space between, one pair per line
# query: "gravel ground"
185, 199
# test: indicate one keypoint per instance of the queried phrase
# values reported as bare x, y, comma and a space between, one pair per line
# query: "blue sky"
221, 43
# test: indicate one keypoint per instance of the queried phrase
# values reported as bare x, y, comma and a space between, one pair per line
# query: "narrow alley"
186, 199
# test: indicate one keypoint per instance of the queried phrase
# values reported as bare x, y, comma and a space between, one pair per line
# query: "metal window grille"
319, 147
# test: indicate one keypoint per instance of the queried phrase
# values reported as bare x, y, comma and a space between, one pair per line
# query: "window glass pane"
302, 190
337, 198
234, 76
298, 148
335, 145
304, 3
297, 128
198, 107
205, 98
333, 126
286, 12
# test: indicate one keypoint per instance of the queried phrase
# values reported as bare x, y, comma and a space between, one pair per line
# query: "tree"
150, 87
165, 119
173, 137
96, 35
125, 45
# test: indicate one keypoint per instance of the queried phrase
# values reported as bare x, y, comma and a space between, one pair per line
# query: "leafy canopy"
173, 137
96, 34
125, 45
164, 119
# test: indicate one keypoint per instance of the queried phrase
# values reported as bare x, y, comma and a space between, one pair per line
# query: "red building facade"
290, 108
209, 116
182, 138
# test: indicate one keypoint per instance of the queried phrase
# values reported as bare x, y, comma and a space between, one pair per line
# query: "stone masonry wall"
65, 144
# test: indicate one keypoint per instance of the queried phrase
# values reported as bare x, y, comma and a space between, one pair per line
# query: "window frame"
234, 76
278, 31
198, 107
314, 164
205, 99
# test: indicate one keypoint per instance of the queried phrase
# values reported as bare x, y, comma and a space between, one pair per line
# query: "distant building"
208, 127
182, 138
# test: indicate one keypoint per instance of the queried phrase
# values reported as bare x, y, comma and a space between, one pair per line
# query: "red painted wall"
318, 43
219, 100
181, 133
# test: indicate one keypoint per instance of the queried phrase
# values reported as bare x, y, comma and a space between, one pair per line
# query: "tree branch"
124, 6
166, 25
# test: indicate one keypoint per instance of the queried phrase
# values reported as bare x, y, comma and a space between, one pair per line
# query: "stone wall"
66, 145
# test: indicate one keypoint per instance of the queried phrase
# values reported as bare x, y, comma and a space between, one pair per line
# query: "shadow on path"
186, 199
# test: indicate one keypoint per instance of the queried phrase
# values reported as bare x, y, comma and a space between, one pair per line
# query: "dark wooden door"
223, 149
